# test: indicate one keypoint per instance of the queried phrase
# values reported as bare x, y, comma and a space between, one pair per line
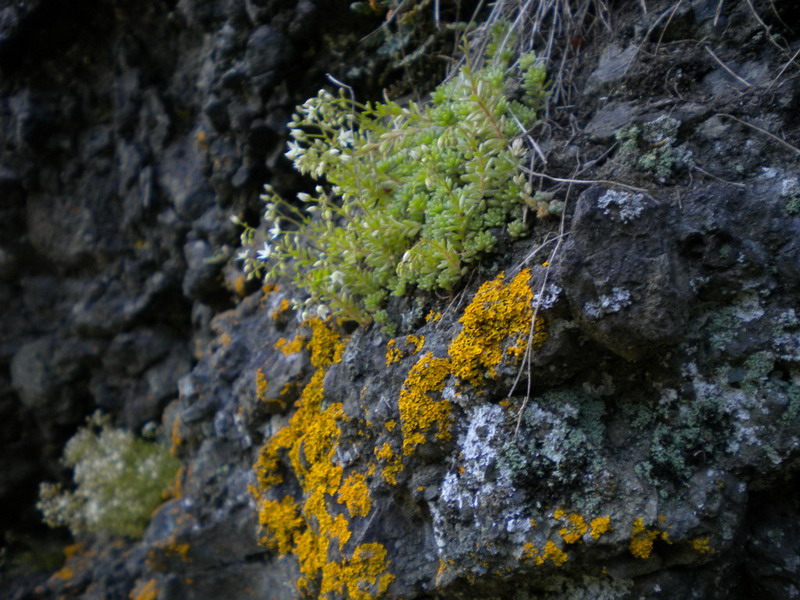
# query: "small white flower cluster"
119, 481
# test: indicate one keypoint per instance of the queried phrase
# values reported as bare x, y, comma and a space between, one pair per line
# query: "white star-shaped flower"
265, 252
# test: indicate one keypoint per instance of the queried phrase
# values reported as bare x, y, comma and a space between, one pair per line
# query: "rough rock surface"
649, 447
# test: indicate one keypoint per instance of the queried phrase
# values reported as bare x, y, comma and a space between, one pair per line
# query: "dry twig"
780, 140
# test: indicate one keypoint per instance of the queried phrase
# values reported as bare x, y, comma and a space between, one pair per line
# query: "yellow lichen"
575, 528
495, 326
261, 385
701, 545
392, 463
315, 529
419, 412
175, 488
642, 539
240, 286
393, 354
283, 307
64, 573
326, 345
529, 551
600, 526
411, 345
552, 553
354, 493
173, 548
287, 347
148, 591
361, 577
390, 425
281, 520
418, 341
433, 316
175, 436
72, 549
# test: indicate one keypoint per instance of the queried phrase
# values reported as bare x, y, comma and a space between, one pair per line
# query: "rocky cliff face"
614, 416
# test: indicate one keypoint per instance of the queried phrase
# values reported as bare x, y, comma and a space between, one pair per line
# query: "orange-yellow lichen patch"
574, 529
551, 553
147, 591
261, 385
529, 551
354, 494
419, 412
72, 550
701, 545
240, 286
175, 487
175, 436
411, 345
287, 347
393, 354
418, 341
267, 467
225, 339
281, 521
64, 573
361, 577
162, 553
392, 463
600, 526
315, 528
433, 317
269, 288
390, 425
283, 307
642, 538
326, 345
495, 325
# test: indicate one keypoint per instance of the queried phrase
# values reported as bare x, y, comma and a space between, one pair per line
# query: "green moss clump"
119, 480
412, 196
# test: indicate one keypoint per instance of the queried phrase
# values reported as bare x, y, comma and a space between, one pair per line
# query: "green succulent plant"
410, 196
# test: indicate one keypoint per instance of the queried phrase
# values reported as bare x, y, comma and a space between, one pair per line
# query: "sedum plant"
411, 195
119, 480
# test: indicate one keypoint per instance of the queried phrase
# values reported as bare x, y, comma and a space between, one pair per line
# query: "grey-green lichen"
559, 441
652, 147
